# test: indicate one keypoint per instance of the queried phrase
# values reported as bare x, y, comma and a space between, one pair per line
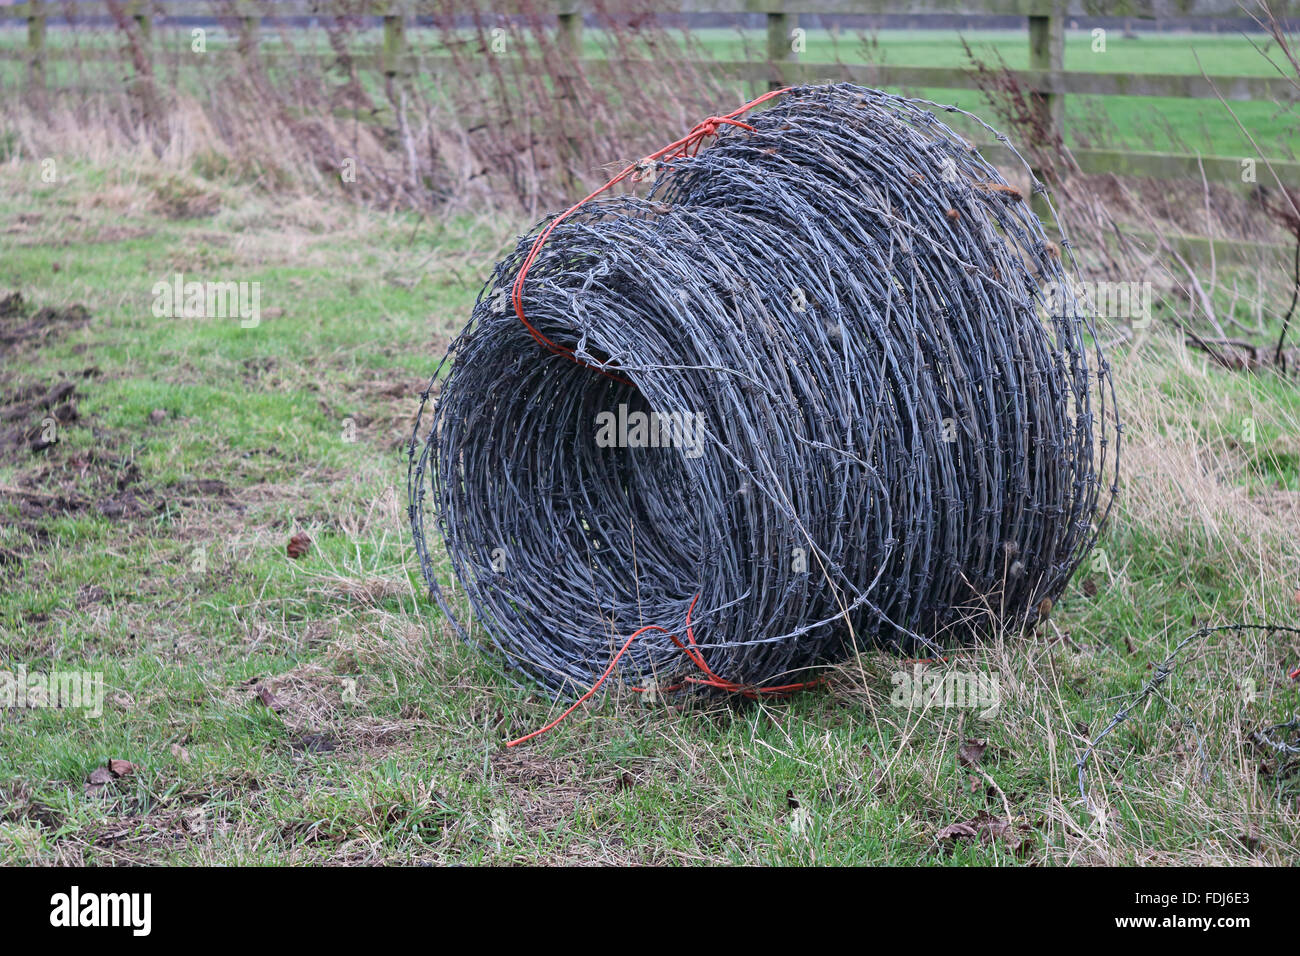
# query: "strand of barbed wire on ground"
1162, 673
1264, 736
886, 406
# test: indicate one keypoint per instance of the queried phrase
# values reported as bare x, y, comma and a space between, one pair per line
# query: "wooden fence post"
1047, 53
779, 48
143, 21
36, 42
569, 42
570, 24
250, 29
134, 26
394, 52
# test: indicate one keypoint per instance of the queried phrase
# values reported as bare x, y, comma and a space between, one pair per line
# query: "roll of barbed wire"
827, 385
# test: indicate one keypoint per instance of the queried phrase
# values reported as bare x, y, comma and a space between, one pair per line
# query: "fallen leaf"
180, 753
1089, 587
298, 545
957, 831
315, 744
987, 829
970, 752
120, 768
100, 776
266, 696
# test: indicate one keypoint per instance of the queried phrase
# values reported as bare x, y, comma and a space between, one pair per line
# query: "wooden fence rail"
1047, 79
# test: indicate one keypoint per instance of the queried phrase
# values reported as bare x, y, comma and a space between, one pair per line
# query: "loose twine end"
692, 651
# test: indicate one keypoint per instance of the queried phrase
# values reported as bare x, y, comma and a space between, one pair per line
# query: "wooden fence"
1047, 79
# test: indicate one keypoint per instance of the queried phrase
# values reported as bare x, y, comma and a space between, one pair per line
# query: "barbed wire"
1164, 670
888, 418
1264, 736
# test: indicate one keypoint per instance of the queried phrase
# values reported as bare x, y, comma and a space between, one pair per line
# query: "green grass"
389, 743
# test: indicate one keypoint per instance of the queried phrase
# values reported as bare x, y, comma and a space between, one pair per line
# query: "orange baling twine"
697, 658
688, 145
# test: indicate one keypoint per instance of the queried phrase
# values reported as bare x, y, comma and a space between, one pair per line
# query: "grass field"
317, 710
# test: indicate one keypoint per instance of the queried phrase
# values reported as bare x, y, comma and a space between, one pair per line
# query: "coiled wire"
904, 428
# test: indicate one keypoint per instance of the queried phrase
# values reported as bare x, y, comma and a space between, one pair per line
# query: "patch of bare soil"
104, 481
19, 327
93, 482
31, 417
34, 419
